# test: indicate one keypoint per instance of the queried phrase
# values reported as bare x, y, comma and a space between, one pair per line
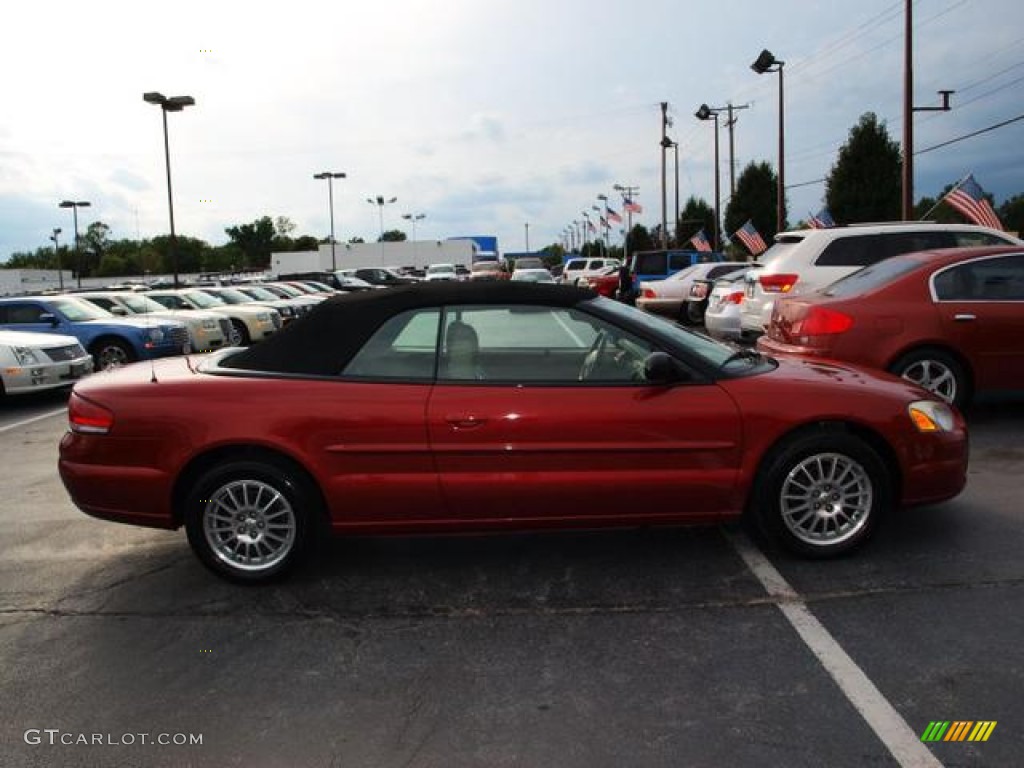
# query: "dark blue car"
111, 340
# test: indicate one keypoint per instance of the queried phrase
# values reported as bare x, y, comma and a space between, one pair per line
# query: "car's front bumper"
23, 379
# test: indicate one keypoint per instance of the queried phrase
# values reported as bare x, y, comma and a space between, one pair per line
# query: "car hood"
31, 339
852, 380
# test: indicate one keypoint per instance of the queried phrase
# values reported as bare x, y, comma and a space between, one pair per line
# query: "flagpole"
952, 189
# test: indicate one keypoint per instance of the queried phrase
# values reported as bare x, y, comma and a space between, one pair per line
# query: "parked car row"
939, 305
46, 338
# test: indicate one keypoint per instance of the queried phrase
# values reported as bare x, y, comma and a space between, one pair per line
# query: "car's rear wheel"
821, 494
111, 353
938, 372
239, 336
249, 521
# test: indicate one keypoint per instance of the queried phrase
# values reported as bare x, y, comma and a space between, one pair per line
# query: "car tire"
937, 371
239, 334
249, 521
821, 494
111, 353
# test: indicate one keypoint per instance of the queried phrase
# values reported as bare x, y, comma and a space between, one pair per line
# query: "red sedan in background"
951, 321
462, 406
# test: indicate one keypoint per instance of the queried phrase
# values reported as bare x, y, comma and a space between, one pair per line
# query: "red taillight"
736, 297
781, 283
821, 322
649, 294
87, 417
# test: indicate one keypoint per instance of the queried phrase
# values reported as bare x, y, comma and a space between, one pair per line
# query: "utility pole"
665, 142
730, 108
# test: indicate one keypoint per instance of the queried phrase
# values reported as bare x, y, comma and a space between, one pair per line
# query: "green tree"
756, 192
190, 252
639, 239
695, 216
865, 182
392, 236
256, 242
1011, 213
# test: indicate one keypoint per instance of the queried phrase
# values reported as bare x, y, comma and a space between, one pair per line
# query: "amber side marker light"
930, 416
86, 417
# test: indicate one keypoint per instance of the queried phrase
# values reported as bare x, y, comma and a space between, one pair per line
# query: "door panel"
548, 453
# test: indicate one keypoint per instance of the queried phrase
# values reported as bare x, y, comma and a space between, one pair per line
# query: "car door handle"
462, 421
964, 318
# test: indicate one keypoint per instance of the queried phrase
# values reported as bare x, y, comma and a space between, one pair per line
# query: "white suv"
805, 260
578, 270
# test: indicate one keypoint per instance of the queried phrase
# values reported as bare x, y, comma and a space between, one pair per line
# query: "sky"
490, 117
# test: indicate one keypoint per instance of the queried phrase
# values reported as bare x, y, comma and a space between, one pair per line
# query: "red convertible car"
442, 407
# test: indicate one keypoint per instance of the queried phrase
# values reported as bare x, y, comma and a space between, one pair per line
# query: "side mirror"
119, 311
660, 368
49, 317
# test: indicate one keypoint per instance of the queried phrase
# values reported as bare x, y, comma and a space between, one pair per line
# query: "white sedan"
668, 297
32, 362
441, 272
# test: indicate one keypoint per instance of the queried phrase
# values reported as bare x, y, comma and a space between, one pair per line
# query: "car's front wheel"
821, 494
239, 336
249, 521
937, 371
111, 353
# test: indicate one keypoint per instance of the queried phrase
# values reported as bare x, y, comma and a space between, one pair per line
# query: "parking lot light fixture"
414, 217
766, 62
172, 104
331, 176
704, 112
74, 205
380, 201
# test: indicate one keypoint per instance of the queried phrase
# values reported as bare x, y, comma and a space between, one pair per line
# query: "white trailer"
405, 253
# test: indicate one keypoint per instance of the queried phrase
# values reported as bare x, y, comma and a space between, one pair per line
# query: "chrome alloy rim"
934, 376
235, 336
826, 499
111, 357
249, 525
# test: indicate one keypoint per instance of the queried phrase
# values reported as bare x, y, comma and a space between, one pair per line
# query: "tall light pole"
526, 226
414, 217
331, 176
172, 104
380, 202
666, 142
766, 62
704, 112
56, 252
74, 206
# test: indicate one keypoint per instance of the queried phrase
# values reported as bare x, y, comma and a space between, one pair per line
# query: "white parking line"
881, 716
24, 422
568, 330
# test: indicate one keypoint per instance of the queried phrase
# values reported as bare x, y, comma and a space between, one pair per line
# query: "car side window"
24, 314
537, 345
999, 279
966, 239
404, 347
853, 251
899, 243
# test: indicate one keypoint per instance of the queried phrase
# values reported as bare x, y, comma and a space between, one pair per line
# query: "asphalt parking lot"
627, 648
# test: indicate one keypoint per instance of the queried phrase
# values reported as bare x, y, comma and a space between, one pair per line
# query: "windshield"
77, 310
287, 290
709, 350
141, 305
780, 249
204, 300
232, 296
438, 269
259, 293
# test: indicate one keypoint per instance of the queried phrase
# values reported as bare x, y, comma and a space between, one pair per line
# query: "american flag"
700, 242
629, 205
613, 216
590, 226
822, 219
969, 198
751, 238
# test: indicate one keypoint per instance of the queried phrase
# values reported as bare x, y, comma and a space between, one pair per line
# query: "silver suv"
805, 260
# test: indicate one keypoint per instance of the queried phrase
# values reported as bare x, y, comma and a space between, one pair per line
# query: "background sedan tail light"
821, 322
736, 297
781, 283
87, 417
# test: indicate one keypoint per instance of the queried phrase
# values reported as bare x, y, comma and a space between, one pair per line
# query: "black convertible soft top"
322, 342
